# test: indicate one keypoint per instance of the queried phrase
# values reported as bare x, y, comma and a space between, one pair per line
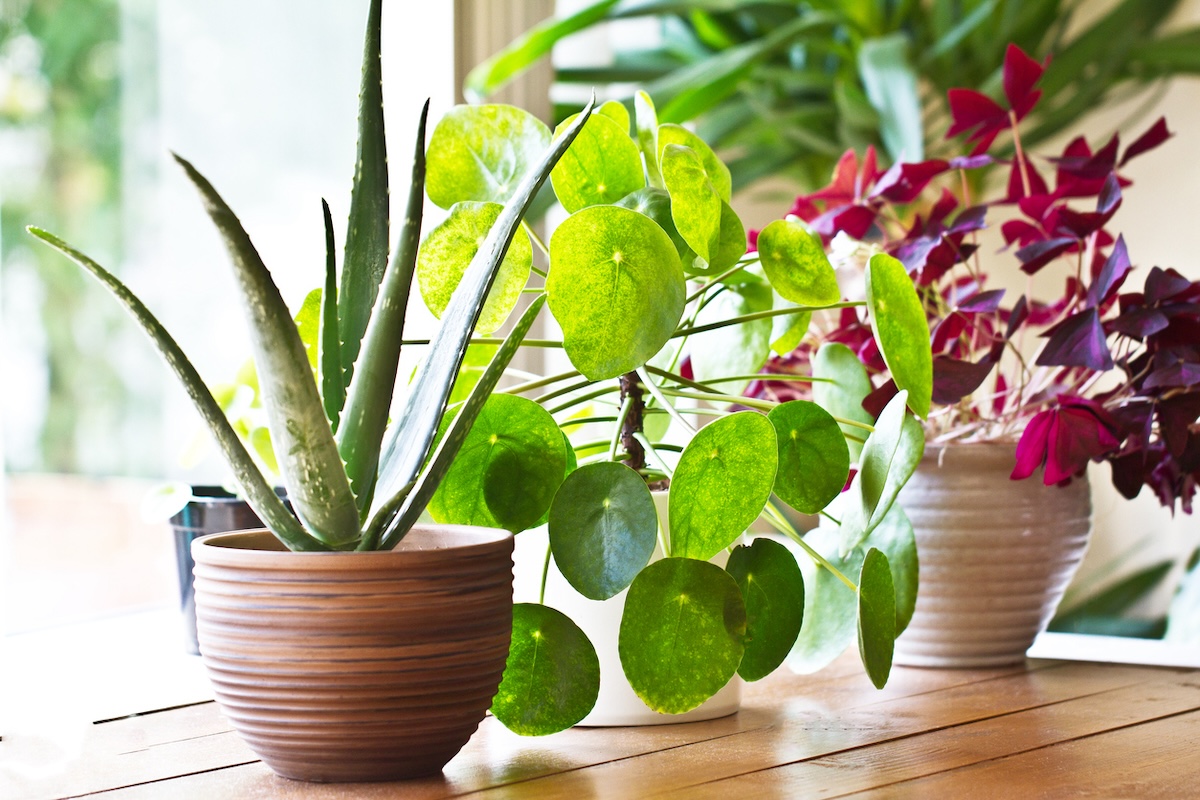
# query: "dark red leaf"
977, 115
1175, 418
855, 220
1021, 232
874, 403
971, 162
1021, 74
1128, 473
1110, 195
1111, 276
1152, 138
954, 379
1139, 323
1031, 449
1077, 341
1179, 374
1081, 432
983, 302
1016, 181
1017, 317
903, 183
1037, 255
969, 220
1164, 284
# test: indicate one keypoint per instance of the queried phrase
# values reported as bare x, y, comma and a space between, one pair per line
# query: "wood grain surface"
1042, 729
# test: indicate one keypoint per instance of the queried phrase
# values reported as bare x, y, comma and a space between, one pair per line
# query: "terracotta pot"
356, 666
617, 704
996, 555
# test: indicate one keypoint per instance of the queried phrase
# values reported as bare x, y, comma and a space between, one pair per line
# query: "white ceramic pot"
617, 703
996, 555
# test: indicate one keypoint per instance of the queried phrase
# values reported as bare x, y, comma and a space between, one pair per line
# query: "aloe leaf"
329, 355
365, 419
527, 49
412, 435
308, 457
367, 231
417, 495
258, 493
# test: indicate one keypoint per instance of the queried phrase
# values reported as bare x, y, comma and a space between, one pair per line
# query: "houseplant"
617, 287
648, 282
786, 86
1053, 410
312, 706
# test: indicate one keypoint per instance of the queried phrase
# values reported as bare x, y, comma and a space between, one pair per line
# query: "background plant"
785, 87
1145, 422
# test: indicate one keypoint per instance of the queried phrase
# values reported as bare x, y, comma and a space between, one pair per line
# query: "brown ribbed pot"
355, 666
996, 555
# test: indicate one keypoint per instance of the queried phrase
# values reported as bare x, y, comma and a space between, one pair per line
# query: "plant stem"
666, 404
487, 340
741, 265
545, 575
778, 521
619, 428
528, 386
632, 406
778, 312
749, 402
559, 392
537, 241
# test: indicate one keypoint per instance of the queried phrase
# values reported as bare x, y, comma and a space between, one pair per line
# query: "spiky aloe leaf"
365, 419
258, 493
329, 348
367, 231
416, 499
411, 437
308, 456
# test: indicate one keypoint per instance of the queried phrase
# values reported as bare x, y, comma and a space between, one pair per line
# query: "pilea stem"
545, 575
778, 521
632, 407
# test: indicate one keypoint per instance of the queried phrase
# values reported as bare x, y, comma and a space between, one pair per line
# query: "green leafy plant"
334, 457
663, 316
788, 85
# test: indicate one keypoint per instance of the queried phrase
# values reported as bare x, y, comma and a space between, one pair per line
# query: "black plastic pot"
214, 510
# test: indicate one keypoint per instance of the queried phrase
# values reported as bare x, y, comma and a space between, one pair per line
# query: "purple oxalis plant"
1115, 376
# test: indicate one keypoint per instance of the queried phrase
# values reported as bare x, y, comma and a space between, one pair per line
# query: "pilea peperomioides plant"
663, 319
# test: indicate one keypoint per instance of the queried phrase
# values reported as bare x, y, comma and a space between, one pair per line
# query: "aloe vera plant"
329, 456
664, 318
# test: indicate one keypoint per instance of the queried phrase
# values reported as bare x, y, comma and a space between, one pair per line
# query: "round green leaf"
656, 204
603, 528
814, 461
788, 331
617, 112
901, 330
740, 349
695, 205
448, 250
772, 587
844, 387
889, 458
876, 617
601, 166
615, 287
682, 633
552, 677
731, 242
723, 481
572, 465
482, 153
716, 170
795, 261
829, 605
895, 537
508, 469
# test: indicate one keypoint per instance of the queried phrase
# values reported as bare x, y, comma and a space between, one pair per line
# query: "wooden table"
1042, 729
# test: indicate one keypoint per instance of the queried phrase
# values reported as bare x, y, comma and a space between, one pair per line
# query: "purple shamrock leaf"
1077, 341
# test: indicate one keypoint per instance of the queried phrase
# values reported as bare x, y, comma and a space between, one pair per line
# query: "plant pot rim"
258, 546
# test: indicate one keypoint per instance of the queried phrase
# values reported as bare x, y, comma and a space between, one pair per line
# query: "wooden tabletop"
1042, 729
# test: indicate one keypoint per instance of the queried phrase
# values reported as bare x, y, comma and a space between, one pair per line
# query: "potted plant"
786, 86
1110, 376
349, 643
662, 317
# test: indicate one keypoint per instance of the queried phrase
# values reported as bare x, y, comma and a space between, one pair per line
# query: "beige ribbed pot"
996, 555
355, 666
